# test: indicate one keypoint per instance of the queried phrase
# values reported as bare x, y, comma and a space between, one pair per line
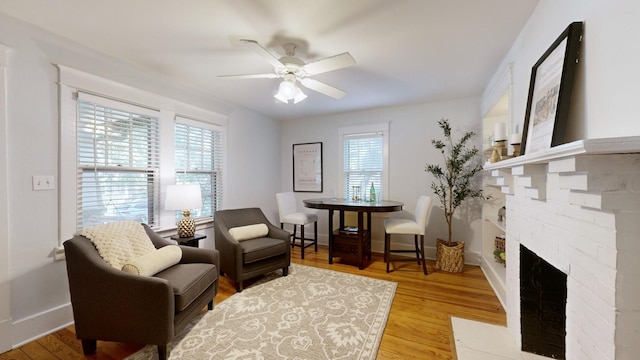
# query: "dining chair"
414, 226
289, 214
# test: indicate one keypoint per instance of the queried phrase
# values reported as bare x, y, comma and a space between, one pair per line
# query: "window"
117, 162
198, 160
364, 159
121, 146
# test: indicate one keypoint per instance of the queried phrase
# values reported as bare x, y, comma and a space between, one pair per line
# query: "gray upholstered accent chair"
246, 259
114, 305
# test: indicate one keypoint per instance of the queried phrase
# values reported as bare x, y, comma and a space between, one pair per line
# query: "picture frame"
550, 91
307, 167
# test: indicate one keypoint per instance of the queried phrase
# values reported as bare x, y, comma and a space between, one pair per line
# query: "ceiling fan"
293, 70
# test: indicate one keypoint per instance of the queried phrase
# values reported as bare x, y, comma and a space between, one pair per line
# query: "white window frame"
382, 128
71, 81
217, 170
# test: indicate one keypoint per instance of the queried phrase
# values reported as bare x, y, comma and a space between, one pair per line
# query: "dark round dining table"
349, 243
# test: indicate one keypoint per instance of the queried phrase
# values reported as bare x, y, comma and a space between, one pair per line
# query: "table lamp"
184, 197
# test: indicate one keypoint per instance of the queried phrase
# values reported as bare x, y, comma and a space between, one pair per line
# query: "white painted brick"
577, 181
562, 165
517, 170
590, 200
598, 249
602, 273
621, 201
628, 221
628, 291
628, 334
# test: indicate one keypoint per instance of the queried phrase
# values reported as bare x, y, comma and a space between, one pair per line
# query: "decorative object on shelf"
453, 185
307, 167
550, 92
514, 140
502, 214
500, 253
185, 197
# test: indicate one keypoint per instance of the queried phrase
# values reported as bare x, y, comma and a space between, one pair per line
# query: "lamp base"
186, 225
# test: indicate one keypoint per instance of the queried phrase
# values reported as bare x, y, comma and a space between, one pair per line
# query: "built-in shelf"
502, 225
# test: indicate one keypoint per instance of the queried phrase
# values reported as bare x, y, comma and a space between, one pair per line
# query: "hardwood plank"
418, 327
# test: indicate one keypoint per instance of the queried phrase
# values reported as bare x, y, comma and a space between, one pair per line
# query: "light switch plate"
43, 182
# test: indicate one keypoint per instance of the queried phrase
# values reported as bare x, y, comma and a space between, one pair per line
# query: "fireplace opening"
543, 303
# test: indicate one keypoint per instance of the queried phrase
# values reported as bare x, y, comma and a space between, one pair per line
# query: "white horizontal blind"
363, 162
118, 163
198, 160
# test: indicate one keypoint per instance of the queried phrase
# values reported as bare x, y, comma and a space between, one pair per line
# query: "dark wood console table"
351, 244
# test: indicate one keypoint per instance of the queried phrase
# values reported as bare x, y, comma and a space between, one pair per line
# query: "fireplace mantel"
603, 146
577, 206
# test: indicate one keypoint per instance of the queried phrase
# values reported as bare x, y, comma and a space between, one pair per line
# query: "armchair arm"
198, 255
110, 304
231, 263
277, 233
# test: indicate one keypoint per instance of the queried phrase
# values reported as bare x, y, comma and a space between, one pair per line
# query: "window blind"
363, 163
198, 160
118, 162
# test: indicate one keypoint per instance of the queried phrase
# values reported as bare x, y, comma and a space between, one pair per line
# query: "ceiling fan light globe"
287, 89
281, 98
299, 96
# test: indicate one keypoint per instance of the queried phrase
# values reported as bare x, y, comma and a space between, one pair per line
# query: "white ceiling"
407, 51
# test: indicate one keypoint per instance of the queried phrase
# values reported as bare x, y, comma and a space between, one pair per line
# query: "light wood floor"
418, 326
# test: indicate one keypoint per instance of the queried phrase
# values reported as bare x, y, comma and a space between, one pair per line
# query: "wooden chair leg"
302, 240
415, 240
315, 235
424, 261
293, 237
163, 352
89, 346
387, 245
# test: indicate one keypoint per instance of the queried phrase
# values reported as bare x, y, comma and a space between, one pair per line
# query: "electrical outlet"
43, 182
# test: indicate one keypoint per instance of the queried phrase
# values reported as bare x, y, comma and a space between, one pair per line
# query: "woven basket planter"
450, 258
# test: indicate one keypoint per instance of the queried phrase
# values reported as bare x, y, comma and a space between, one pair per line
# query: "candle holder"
516, 149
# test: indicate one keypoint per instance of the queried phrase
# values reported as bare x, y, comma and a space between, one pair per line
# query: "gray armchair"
113, 305
242, 260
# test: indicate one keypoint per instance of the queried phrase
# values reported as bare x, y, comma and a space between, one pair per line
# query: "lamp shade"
183, 197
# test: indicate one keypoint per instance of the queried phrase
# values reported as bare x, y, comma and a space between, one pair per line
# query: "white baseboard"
36, 326
5, 335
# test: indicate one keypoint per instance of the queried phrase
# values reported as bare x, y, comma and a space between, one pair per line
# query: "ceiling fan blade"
323, 88
329, 64
255, 46
250, 76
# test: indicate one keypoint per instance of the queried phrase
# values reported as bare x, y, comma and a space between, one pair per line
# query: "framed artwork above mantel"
550, 91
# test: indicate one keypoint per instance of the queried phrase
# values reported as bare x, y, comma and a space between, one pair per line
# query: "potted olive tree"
453, 185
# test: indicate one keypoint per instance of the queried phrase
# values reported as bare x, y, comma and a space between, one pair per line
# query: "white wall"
410, 133
605, 94
39, 295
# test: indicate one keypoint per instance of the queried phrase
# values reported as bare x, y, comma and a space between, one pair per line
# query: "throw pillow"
249, 232
155, 261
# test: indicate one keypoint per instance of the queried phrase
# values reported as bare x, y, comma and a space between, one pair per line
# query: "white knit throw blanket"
118, 242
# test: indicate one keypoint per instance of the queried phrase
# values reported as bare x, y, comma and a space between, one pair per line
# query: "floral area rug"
310, 314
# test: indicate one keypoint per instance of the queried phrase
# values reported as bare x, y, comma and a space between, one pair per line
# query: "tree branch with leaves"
453, 180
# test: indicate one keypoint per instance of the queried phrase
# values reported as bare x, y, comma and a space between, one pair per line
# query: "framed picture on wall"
307, 167
550, 92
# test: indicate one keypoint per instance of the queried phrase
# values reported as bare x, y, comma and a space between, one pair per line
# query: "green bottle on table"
372, 193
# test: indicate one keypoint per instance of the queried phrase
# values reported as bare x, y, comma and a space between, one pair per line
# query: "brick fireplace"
577, 207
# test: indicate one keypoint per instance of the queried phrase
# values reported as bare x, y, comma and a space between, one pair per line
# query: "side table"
189, 241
